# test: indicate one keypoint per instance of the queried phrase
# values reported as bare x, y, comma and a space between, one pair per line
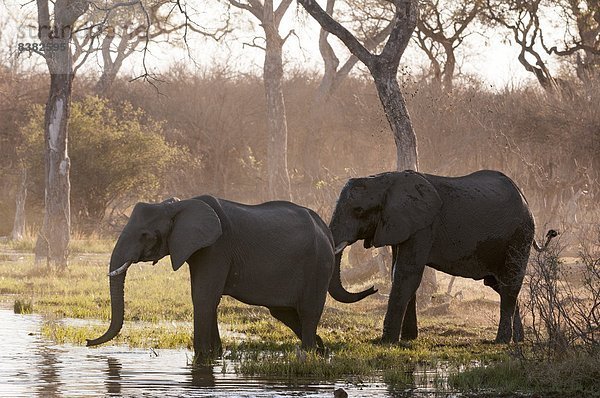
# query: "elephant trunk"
337, 291
117, 286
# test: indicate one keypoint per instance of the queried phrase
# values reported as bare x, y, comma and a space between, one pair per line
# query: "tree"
134, 162
522, 19
579, 27
384, 69
58, 28
441, 28
125, 31
373, 32
55, 34
581, 38
277, 131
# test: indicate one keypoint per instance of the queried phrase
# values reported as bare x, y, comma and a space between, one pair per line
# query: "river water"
33, 366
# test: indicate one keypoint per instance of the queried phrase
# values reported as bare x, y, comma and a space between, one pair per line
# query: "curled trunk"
117, 302
337, 291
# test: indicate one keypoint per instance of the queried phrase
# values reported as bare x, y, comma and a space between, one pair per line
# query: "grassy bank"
577, 376
160, 317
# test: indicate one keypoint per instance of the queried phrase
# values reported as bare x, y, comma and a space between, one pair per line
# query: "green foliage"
115, 152
576, 377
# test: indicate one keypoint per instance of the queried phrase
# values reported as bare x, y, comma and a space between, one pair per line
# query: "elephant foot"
386, 340
321, 350
390, 335
206, 358
518, 339
502, 339
398, 343
409, 335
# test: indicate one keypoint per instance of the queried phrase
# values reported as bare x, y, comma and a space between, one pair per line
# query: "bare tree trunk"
384, 68
56, 228
449, 68
19, 224
277, 133
333, 76
105, 82
56, 32
397, 115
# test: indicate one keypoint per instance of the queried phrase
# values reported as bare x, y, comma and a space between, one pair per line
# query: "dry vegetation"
560, 299
548, 145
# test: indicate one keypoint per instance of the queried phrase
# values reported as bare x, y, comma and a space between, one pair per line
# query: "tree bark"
449, 68
384, 68
398, 117
19, 224
56, 229
56, 33
278, 181
277, 132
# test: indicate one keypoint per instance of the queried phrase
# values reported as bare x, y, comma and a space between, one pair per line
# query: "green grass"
158, 314
22, 307
78, 244
578, 376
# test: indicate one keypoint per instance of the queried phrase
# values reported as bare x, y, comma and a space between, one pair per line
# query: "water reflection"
202, 376
31, 365
113, 376
49, 373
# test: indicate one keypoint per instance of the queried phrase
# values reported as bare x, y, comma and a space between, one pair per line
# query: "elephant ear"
411, 203
195, 225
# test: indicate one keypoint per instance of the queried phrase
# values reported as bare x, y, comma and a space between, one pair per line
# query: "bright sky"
490, 57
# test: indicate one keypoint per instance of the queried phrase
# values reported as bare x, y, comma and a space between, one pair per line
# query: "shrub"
116, 152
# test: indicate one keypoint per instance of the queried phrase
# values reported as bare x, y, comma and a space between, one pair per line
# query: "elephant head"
384, 209
173, 227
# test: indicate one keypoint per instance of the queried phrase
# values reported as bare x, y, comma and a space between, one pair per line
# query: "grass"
78, 244
161, 317
22, 307
574, 377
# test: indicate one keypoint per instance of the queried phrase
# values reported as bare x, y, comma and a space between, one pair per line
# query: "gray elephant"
477, 226
276, 254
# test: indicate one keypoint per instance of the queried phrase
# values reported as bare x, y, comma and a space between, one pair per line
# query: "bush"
116, 151
563, 302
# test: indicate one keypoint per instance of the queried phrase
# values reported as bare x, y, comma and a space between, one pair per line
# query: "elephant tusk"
339, 248
121, 269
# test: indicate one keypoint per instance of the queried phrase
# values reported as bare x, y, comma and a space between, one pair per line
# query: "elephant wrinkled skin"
477, 226
276, 254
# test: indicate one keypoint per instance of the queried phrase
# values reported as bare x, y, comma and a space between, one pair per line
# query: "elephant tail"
549, 235
337, 291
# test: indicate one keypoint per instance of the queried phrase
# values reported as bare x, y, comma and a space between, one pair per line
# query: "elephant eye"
359, 211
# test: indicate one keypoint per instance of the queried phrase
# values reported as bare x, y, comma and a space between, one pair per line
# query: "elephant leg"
290, 318
409, 325
217, 347
508, 302
204, 339
410, 258
509, 314
509, 288
518, 333
205, 299
404, 287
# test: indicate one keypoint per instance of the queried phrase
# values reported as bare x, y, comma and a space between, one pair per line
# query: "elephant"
276, 254
476, 226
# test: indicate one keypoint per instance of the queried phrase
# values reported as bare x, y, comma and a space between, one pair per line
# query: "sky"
488, 57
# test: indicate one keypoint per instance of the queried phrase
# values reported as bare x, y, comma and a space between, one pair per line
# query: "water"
33, 366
